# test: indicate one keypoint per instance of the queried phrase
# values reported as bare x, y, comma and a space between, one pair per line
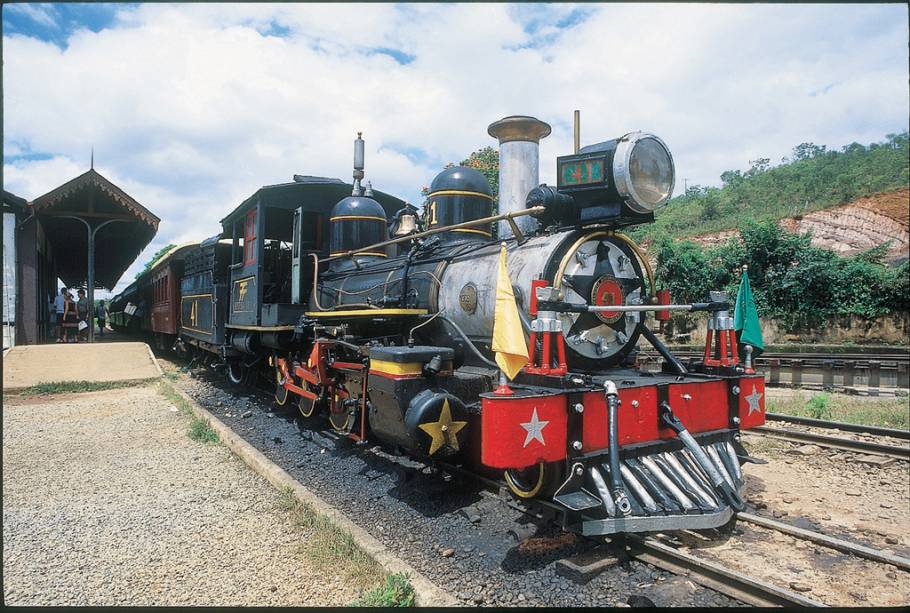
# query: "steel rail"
650, 551
858, 357
659, 555
828, 541
836, 442
716, 577
838, 425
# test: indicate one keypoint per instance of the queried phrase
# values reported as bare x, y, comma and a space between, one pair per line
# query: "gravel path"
106, 501
456, 536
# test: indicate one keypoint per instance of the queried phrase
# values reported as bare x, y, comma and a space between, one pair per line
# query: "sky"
191, 108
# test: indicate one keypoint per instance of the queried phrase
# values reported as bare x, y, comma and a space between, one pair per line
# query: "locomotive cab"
273, 233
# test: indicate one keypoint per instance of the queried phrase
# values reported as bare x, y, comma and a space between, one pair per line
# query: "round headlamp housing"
623, 180
643, 171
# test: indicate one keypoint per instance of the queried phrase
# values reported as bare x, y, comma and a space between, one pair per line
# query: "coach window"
249, 239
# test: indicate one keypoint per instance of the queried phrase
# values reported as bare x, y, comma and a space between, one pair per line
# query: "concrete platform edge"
427, 593
154, 360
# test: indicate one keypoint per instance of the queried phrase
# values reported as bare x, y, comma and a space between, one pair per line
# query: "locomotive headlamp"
636, 170
643, 171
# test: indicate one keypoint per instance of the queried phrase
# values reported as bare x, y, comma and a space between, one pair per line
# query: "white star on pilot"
753, 399
535, 429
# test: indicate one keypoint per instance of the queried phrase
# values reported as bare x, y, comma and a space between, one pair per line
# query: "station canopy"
96, 200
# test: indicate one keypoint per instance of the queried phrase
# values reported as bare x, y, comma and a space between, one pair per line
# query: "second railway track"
898, 452
839, 425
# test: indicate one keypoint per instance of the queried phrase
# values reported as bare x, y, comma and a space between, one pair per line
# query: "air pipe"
619, 493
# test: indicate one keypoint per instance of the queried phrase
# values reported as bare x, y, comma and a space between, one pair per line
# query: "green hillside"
814, 178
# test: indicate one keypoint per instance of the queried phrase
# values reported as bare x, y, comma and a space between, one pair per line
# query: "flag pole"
746, 347
503, 389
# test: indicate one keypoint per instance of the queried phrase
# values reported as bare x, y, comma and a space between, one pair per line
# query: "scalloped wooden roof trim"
93, 177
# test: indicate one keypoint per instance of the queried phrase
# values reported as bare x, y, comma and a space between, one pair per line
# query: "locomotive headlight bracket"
643, 171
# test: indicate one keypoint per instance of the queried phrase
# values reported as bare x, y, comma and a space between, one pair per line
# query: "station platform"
28, 365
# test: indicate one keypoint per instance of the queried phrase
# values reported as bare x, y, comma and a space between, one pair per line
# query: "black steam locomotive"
379, 321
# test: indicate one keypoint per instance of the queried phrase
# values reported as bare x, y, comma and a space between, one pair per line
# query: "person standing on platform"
102, 317
59, 302
82, 310
70, 318
51, 317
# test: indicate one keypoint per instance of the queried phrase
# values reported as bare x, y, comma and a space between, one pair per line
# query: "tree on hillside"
814, 178
158, 255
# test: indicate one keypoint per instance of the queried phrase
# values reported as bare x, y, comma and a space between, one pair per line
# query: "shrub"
818, 407
792, 281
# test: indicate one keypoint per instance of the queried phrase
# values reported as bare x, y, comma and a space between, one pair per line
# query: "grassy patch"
333, 549
179, 401
78, 387
201, 430
396, 592
887, 413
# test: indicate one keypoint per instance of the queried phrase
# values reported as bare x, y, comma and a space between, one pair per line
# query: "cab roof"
314, 194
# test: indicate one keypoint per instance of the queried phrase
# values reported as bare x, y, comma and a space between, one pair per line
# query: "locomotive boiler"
380, 320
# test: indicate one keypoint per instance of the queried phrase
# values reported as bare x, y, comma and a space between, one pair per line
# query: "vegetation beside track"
200, 429
886, 413
79, 387
330, 547
795, 283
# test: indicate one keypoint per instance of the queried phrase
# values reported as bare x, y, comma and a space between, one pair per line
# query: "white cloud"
192, 107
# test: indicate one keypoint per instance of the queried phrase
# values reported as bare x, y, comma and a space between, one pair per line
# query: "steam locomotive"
378, 320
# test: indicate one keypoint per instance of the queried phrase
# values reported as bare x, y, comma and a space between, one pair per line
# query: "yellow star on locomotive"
445, 430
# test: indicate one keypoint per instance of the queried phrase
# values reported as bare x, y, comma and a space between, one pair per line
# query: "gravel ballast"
457, 537
106, 501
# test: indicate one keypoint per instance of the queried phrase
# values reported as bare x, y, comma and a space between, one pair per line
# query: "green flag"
745, 320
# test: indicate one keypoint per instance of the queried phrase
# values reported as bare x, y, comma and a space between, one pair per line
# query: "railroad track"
833, 442
838, 425
858, 357
742, 587
661, 555
853, 372
745, 588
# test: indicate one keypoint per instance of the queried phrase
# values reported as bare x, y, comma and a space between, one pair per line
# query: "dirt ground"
839, 495
27, 365
835, 489
820, 573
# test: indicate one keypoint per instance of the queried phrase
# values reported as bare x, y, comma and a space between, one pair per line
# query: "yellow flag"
508, 338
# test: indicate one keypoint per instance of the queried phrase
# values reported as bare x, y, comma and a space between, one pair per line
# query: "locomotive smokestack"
519, 159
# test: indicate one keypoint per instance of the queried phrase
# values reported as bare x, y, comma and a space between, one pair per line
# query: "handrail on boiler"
536, 210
